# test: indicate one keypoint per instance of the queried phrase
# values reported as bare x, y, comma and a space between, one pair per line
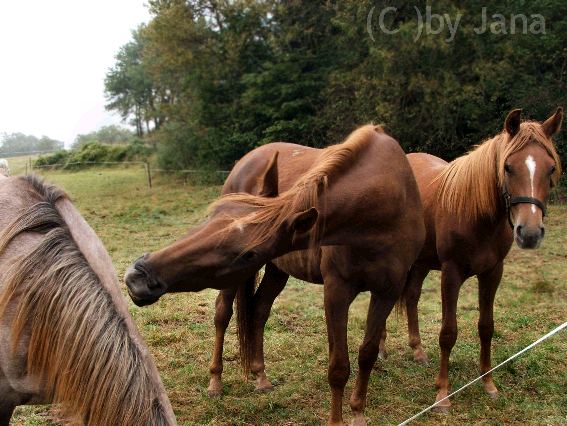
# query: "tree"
130, 89
19, 143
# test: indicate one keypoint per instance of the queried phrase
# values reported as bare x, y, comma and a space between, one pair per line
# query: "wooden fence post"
149, 172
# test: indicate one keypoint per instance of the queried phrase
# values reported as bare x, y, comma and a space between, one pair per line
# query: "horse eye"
553, 168
507, 168
249, 256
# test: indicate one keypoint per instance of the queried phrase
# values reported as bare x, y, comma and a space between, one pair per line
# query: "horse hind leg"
223, 313
412, 293
272, 284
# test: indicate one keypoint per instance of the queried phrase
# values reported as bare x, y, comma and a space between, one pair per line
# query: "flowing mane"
270, 213
79, 347
471, 185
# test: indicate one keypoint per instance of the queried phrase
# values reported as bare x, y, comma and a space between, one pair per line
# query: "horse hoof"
214, 392
441, 409
420, 356
491, 389
493, 394
358, 421
421, 359
264, 388
383, 355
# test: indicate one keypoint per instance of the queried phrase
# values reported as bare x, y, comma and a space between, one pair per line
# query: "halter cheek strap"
512, 201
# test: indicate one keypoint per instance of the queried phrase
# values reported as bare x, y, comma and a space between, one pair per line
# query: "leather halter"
510, 201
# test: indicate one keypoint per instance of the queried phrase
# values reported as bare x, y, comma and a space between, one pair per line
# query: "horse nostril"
519, 230
143, 272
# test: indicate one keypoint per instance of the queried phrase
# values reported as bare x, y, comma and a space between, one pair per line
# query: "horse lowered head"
530, 170
242, 234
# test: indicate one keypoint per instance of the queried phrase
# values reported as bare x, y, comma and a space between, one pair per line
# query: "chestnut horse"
475, 207
355, 206
65, 332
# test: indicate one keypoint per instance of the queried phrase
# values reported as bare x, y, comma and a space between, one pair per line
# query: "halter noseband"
512, 201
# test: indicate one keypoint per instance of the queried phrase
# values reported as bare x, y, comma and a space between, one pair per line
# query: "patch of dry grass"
132, 219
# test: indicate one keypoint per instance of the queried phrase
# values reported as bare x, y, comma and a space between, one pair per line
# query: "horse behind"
474, 208
65, 332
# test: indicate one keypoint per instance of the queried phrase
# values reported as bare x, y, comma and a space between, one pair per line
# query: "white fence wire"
527, 348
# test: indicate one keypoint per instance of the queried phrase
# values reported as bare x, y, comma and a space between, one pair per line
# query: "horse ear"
552, 125
513, 121
268, 180
302, 222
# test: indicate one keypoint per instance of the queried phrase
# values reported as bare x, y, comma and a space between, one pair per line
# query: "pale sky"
54, 56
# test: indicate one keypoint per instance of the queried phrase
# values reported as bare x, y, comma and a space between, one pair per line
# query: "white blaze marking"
531, 164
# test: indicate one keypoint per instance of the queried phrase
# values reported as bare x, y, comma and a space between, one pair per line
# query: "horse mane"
471, 185
271, 212
79, 347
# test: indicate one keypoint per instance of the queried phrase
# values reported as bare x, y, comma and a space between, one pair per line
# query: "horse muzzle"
143, 289
528, 237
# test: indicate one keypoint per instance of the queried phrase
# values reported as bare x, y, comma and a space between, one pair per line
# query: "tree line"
13, 144
212, 79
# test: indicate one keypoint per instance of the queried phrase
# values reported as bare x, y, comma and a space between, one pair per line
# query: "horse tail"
400, 307
244, 319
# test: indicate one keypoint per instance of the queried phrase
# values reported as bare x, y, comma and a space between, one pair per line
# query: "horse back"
293, 161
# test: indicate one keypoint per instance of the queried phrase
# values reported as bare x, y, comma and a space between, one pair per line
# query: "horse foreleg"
412, 294
6, 414
378, 311
223, 313
487, 285
338, 296
272, 284
451, 281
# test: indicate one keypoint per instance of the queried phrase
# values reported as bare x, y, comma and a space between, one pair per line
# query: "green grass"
132, 219
18, 164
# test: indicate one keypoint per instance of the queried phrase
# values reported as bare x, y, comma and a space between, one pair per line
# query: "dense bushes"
95, 152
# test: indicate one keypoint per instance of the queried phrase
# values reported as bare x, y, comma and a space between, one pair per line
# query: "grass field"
132, 219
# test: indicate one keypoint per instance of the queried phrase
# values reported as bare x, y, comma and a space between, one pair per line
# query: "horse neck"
101, 264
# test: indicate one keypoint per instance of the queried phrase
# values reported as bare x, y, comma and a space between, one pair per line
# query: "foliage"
243, 73
18, 144
111, 135
94, 152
